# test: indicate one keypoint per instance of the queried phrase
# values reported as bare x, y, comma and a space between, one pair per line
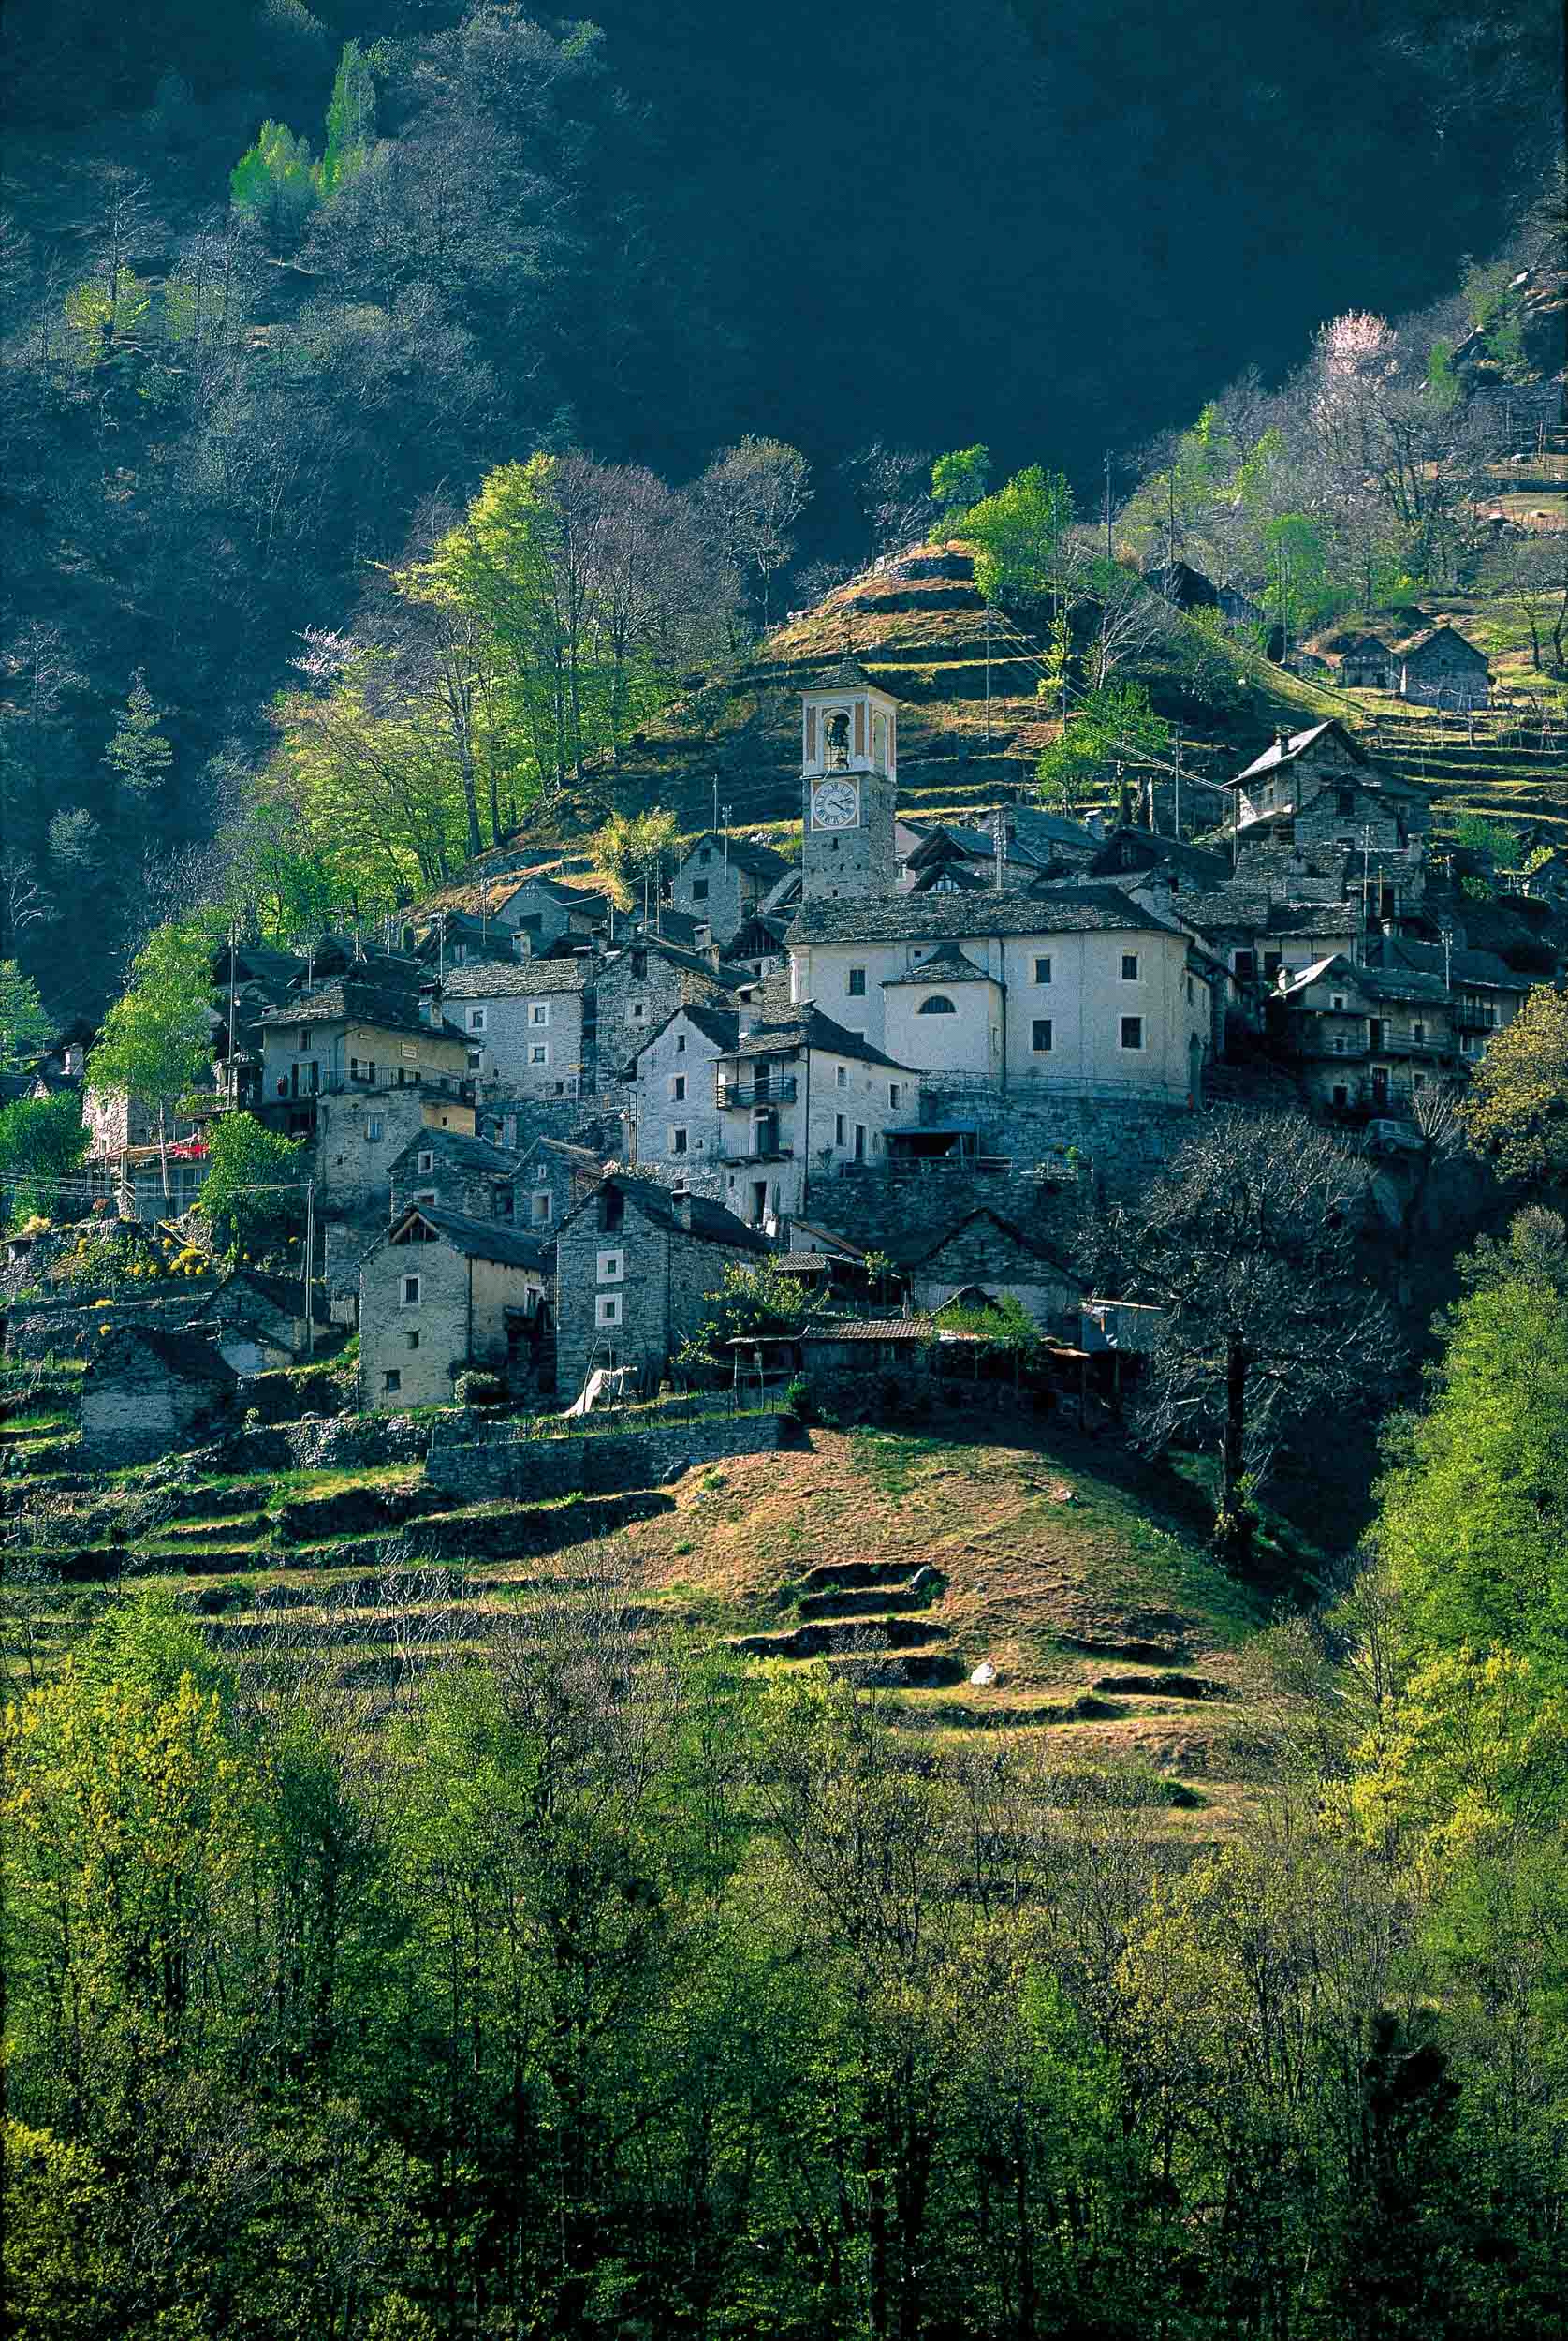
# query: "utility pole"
715, 801
1176, 824
310, 1256
233, 1092
1446, 935
1110, 555
987, 674
1366, 875
726, 811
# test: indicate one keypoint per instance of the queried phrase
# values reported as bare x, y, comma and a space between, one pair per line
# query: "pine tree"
139, 754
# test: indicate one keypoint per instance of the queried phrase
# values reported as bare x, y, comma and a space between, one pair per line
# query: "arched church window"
938, 1005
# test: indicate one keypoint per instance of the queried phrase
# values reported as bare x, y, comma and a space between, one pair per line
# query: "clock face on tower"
835, 804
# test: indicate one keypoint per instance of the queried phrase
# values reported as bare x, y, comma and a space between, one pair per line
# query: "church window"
938, 1005
1043, 1035
856, 985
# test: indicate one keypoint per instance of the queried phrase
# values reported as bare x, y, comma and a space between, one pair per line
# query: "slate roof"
1469, 968
957, 877
514, 979
595, 906
183, 1357
477, 1239
456, 1146
721, 1025
725, 977
580, 1157
1274, 755
930, 917
759, 939
1009, 1227
809, 1028
345, 1000
745, 853
948, 963
841, 1329
1441, 637
710, 1221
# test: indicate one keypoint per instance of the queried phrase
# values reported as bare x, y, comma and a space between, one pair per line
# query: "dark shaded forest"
645, 238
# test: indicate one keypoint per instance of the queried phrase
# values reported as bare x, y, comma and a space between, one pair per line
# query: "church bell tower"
849, 765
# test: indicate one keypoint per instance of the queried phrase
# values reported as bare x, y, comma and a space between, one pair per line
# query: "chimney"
1281, 739
711, 953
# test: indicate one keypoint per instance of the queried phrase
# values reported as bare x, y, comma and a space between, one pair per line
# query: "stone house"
635, 1265
675, 1124
1080, 990
257, 1320
528, 1026
985, 1257
1442, 669
553, 1176
146, 1393
641, 983
361, 1133
349, 1036
1363, 1036
442, 1292
797, 1094
1319, 788
1364, 664
540, 911
722, 881
452, 1172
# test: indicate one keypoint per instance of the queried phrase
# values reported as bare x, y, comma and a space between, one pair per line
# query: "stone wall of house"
639, 1337
409, 1350
136, 1422
479, 1466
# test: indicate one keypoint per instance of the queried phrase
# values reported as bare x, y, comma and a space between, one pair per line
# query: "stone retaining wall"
73, 1329
477, 1466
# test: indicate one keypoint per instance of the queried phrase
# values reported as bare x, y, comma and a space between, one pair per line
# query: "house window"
302, 1039
538, 1011
895, 1094
1418, 1034
475, 1019
679, 1044
678, 1087
1245, 967
427, 1162
1272, 963
1344, 799
838, 1129
612, 1210
699, 890
841, 1077
938, 1005
607, 1309
639, 964
1336, 1002
391, 1380
1132, 1032
1043, 1034
411, 1341
411, 1292
1341, 1095
476, 1060
613, 1267
855, 983
704, 855
542, 1206
639, 1011
1128, 966
1042, 971
540, 1052
372, 1129
678, 1142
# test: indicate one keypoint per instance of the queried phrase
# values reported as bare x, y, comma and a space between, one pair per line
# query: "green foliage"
959, 480
41, 1139
242, 1153
102, 319
24, 1024
1115, 723
751, 1300
350, 120
276, 182
1017, 533
1005, 1327
1479, 836
157, 1039
139, 755
1474, 1517
479, 1390
1516, 1110
629, 848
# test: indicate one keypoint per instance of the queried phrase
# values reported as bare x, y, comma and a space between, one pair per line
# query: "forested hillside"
279, 296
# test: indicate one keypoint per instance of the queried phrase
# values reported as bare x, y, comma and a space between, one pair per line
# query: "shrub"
800, 1400
475, 1389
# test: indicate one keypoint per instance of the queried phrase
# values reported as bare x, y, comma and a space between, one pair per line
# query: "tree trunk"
1233, 1444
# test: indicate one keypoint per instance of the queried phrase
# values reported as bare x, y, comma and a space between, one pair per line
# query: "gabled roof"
807, 1027
910, 1329
929, 917
181, 1357
476, 1239
580, 1158
849, 675
1009, 1228
1132, 850
720, 1026
1440, 637
1280, 753
759, 939
710, 1223
457, 1147
345, 1000
948, 963
828, 1239
954, 877
743, 853
516, 978
581, 898
723, 978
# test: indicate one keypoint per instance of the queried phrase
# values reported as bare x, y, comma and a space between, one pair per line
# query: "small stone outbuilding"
147, 1393
1442, 669
987, 1257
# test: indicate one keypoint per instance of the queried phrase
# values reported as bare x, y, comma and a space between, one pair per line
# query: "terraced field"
907, 1559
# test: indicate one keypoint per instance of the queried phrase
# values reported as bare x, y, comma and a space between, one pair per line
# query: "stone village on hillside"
539, 1136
